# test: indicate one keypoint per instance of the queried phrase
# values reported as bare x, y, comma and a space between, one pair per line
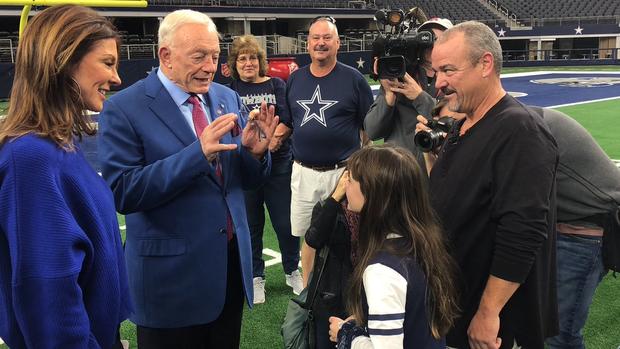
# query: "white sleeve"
362, 342
386, 293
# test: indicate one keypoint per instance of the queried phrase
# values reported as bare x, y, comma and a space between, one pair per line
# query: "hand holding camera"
431, 133
386, 84
408, 87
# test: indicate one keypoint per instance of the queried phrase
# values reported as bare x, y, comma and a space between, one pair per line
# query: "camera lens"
391, 67
428, 141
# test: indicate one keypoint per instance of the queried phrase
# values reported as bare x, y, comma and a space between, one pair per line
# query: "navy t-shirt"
272, 91
327, 113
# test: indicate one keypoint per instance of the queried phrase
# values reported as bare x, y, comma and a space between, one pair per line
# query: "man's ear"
487, 62
164, 56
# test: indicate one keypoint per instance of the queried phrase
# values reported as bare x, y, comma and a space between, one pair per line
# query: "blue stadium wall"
134, 70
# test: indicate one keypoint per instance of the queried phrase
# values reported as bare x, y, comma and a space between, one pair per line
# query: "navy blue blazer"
176, 247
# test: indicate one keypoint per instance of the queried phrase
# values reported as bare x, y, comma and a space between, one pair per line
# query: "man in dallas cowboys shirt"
328, 101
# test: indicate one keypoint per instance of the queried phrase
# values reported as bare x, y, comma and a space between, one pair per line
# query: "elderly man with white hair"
175, 155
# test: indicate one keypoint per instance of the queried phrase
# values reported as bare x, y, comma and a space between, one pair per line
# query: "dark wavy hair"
246, 44
396, 201
45, 99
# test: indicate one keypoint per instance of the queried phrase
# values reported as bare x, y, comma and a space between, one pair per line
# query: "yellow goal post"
92, 3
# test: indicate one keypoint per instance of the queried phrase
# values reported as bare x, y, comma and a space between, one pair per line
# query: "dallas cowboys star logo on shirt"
311, 105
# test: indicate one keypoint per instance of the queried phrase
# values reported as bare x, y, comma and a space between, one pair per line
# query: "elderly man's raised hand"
259, 130
211, 135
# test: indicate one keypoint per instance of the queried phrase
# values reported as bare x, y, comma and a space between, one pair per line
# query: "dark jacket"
328, 227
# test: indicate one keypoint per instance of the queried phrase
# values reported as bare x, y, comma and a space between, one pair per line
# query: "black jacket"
328, 227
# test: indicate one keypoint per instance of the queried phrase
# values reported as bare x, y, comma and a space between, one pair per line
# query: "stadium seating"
542, 13
525, 9
268, 3
457, 11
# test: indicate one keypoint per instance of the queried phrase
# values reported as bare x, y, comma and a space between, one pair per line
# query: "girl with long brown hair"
402, 293
63, 282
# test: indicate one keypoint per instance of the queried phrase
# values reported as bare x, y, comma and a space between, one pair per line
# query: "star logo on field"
501, 32
315, 107
578, 30
360, 63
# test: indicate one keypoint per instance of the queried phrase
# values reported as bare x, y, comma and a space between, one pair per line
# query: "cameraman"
393, 114
437, 26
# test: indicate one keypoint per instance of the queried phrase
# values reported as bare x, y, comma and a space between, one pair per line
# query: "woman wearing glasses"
248, 66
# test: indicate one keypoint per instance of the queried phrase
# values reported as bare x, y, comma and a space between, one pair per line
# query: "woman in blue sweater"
62, 274
402, 293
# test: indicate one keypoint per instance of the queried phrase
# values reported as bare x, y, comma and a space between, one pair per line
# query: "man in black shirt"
493, 186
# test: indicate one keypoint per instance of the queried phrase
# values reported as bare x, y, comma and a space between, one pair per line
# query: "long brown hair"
246, 44
396, 201
45, 99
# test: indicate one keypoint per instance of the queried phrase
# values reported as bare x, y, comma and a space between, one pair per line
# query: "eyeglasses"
244, 59
323, 18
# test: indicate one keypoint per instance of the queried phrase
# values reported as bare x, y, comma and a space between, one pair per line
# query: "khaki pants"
307, 188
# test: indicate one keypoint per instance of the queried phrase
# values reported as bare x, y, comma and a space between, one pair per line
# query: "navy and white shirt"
327, 113
395, 304
272, 91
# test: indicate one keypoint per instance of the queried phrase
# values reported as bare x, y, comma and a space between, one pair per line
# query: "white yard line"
276, 257
533, 73
582, 102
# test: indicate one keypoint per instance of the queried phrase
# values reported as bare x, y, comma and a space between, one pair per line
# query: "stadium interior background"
550, 35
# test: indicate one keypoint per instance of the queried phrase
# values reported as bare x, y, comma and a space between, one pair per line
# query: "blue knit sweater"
62, 273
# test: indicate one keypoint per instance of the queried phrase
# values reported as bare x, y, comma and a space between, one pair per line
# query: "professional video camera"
430, 140
400, 46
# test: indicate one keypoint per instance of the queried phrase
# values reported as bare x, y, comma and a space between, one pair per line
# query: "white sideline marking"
1, 342
543, 72
583, 102
276, 257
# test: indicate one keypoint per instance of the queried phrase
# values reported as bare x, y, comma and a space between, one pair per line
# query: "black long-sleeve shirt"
328, 227
494, 191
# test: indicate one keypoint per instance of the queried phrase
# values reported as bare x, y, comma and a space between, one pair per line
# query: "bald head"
325, 21
323, 42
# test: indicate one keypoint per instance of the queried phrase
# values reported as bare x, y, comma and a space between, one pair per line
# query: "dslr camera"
400, 46
428, 141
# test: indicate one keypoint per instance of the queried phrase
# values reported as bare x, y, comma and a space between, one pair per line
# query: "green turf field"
601, 119
261, 325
